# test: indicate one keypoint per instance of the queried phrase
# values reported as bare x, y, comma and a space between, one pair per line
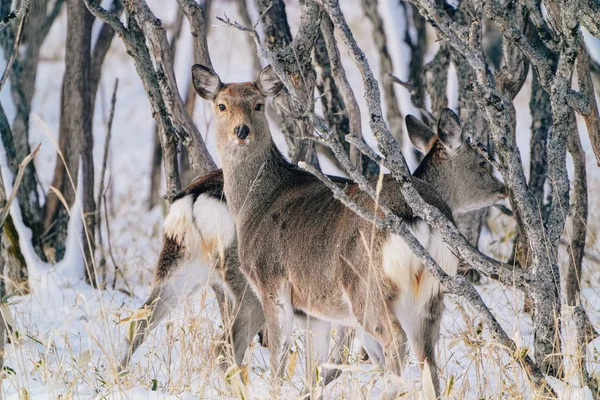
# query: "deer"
302, 249
200, 250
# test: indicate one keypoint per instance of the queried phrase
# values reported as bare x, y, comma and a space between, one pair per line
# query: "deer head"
241, 124
461, 175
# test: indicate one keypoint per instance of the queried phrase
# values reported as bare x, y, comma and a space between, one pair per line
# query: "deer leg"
317, 337
372, 347
248, 321
279, 317
182, 281
423, 341
341, 339
375, 314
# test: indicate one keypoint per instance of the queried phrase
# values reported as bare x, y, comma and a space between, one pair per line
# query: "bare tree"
22, 42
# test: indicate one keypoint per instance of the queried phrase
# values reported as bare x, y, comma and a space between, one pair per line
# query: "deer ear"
268, 82
449, 129
420, 135
206, 82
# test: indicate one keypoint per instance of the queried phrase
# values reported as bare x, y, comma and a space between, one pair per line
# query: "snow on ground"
67, 339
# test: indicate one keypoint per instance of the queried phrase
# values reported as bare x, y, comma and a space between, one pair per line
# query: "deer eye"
259, 107
222, 107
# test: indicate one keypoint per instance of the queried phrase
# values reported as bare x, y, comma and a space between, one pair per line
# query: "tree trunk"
15, 266
75, 137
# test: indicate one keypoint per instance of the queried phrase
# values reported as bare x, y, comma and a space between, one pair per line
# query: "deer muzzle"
241, 131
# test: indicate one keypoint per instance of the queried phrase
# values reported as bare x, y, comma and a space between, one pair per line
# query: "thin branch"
20, 12
102, 45
17, 182
195, 15
15, 51
102, 178
107, 16
413, 90
386, 67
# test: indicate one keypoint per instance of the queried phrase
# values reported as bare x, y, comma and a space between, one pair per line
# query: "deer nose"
241, 132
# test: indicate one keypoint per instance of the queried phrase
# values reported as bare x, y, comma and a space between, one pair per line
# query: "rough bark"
185, 166
15, 266
579, 215
298, 66
386, 68
339, 103
155, 166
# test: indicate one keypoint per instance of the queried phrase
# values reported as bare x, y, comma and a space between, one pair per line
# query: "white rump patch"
417, 286
205, 228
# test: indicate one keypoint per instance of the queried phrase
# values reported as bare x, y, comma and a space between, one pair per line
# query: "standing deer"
302, 249
200, 250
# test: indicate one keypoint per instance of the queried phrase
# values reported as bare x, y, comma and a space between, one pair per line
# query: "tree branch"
20, 12
17, 182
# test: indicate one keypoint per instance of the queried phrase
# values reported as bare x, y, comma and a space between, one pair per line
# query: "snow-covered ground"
67, 338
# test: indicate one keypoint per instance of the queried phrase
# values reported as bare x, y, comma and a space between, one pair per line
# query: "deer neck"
252, 178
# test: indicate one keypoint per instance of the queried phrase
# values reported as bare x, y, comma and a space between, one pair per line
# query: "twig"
394, 117
15, 51
504, 210
413, 96
365, 149
195, 15
102, 175
482, 149
22, 11
17, 182
341, 82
